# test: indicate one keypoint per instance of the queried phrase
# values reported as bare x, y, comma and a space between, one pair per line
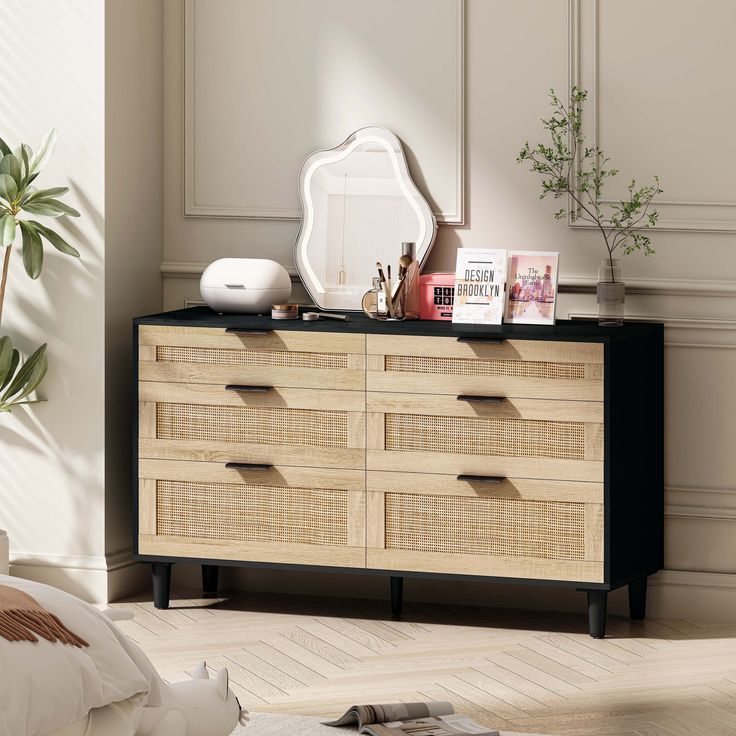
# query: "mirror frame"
392, 145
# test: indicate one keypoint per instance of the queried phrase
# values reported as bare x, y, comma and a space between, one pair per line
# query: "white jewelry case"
245, 285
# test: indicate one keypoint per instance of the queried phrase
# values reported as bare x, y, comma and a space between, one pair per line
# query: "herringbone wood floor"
516, 670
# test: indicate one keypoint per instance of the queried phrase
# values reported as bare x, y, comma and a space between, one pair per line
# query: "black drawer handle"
248, 389
482, 478
248, 466
486, 340
481, 399
246, 332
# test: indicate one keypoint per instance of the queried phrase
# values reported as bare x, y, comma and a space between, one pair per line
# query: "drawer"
508, 438
516, 528
299, 427
516, 368
204, 510
261, 358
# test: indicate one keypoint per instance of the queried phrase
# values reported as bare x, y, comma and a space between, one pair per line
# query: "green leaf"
50, 208
4, 147
23, 154
14, 360
8, 188
32, 250
35, 194
43, 153
55, 239
7, 230
37, 374
25, 374
12, 166
42, 208
6, 358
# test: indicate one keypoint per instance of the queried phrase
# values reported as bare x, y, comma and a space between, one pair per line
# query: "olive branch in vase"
569, 167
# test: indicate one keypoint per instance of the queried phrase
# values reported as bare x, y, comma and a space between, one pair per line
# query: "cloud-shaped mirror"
359, 204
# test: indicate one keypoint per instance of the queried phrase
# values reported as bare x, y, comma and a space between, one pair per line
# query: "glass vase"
610, 293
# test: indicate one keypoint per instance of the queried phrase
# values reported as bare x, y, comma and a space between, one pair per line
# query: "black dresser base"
597, 597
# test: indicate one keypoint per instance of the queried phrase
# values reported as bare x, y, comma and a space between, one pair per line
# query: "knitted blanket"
21, 618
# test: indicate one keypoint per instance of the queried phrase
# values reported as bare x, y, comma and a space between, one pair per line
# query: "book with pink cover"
531, 294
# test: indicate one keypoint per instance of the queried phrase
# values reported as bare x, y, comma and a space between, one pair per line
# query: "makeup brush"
386, 289
404, 263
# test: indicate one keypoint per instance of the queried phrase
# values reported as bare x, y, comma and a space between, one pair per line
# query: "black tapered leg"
161, 583
210, 577
638, 599
597, 606
397, 596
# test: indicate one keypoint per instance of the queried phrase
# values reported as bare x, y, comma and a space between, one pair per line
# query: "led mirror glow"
358, 205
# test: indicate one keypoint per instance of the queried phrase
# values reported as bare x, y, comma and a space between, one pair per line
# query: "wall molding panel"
569, 285
700, 503
199, 202
712, 328
193, 270
584, 72
655, 287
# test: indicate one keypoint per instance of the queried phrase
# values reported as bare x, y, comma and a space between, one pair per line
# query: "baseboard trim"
94, 578
695, 580
96, 563
674, 594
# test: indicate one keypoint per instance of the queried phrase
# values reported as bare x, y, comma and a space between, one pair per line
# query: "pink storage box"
437, 295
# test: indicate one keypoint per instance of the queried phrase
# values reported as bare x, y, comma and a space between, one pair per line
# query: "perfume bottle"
374, 301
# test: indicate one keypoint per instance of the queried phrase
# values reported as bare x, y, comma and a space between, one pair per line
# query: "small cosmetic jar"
285, 311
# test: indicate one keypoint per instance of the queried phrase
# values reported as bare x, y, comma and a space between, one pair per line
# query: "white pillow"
118, 719
46, 686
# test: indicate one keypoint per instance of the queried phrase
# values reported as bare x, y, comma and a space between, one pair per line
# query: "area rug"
273, 724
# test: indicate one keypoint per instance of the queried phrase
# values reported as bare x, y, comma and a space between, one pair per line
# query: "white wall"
65, 467
133, 243
666, 100
52, 456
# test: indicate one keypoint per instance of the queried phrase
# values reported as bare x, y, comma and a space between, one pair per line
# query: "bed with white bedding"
61, 690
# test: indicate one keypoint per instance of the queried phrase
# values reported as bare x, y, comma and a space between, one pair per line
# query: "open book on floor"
410, 719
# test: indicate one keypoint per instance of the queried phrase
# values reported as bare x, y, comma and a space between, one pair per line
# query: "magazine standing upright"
515, 453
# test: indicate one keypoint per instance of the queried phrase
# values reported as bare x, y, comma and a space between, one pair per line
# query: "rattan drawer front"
513, 368
251, 428
486, 445
253, 522
417, 529
252, 512
485, 436
283, 359
252, 516
260, 425
504, 527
